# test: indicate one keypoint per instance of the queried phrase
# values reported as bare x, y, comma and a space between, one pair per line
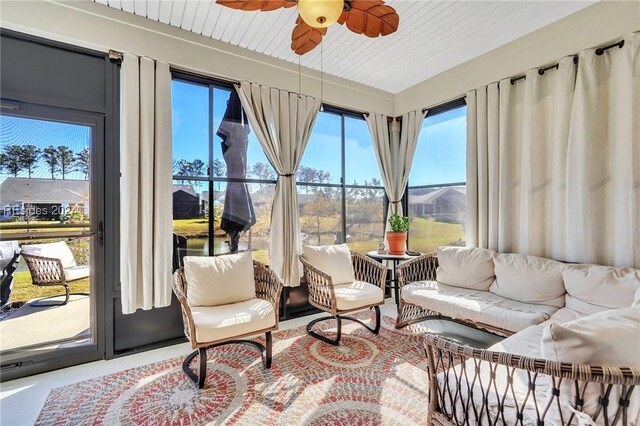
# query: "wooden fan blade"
263, 5
372, 18
305, 38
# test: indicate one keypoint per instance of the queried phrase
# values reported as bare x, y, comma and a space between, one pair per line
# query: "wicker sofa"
513, 382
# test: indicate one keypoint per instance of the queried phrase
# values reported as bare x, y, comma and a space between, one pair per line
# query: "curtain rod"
599, 51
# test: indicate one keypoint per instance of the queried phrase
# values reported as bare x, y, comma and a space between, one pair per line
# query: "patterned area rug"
367, 380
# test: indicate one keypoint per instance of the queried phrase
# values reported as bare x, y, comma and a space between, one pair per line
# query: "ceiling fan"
372, 18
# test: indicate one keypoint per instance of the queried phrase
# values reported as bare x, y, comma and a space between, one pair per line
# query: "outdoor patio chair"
223, 299
53, 264
341, 281
9, 258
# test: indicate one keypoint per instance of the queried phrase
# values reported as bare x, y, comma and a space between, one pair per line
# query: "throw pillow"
219, 280
595, 288
334, 260
529, 279
465, 267
609, 338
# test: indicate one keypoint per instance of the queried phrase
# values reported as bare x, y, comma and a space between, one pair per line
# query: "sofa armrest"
422, 268
452, 401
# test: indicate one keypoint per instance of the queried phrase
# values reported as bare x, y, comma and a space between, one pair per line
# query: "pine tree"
83, 162
11, 160
50, 156
29, 156
65, 157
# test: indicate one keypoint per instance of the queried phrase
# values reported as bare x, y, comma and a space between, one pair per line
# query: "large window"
223, 184
340, 195
437, 188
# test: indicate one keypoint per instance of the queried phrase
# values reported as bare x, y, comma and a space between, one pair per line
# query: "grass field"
23, 290
425, 236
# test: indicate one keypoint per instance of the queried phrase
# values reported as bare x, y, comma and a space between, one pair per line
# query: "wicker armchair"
323, 296
268, 288
473, 386
56, 268
422, 268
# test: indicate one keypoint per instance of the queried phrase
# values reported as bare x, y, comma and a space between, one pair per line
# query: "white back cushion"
465, 267
595, 288
59, 250
334, 260
609, 338
528, 279
219, 280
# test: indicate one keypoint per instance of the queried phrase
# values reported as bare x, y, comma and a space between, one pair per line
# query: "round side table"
395, 260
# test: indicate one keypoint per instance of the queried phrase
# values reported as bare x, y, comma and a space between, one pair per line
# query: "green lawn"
191, 227
426, 234
24, 290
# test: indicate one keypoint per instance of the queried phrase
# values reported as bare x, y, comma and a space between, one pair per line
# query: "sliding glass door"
51, 236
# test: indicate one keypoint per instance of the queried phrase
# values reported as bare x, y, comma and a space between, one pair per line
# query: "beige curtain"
395, 154
282, 122
552, 160
145, 192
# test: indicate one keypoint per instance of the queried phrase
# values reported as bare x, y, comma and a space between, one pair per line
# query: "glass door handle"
101, 233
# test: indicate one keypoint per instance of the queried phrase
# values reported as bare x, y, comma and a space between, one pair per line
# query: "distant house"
204, 200
443, 205
186, 203
43, 199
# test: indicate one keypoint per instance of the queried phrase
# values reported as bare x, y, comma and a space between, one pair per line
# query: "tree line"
61, 160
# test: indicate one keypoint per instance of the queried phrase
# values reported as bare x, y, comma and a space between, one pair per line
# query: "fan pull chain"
299, 77
321, 80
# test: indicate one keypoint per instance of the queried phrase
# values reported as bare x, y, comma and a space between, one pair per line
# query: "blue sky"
27, 131
440, 157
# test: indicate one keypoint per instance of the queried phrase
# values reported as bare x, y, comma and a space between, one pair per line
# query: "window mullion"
211, 218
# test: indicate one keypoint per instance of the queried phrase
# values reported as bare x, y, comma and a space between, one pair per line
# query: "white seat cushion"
357, 294
59, 250
215, 323
334, 260
76, 272
529, 279
478, 306
219, 280
595, 288
465, 267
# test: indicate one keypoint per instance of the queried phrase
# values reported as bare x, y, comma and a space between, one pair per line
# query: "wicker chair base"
339, 318
40, 303
199, 379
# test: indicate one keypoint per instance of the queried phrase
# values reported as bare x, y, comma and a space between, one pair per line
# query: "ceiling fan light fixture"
320, 13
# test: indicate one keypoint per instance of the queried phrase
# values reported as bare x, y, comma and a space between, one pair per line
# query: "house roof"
185, 188
15, 190
432, 196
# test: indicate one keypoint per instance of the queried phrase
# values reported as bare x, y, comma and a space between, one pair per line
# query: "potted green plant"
397, 237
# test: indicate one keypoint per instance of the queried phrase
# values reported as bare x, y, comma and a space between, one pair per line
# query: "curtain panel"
145, 193
395, 154
553, 161
282, 122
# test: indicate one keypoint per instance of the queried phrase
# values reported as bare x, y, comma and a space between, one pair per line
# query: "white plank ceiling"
433, 36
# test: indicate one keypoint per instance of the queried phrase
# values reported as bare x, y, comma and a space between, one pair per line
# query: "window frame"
343, 113
209, 178
436, 110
